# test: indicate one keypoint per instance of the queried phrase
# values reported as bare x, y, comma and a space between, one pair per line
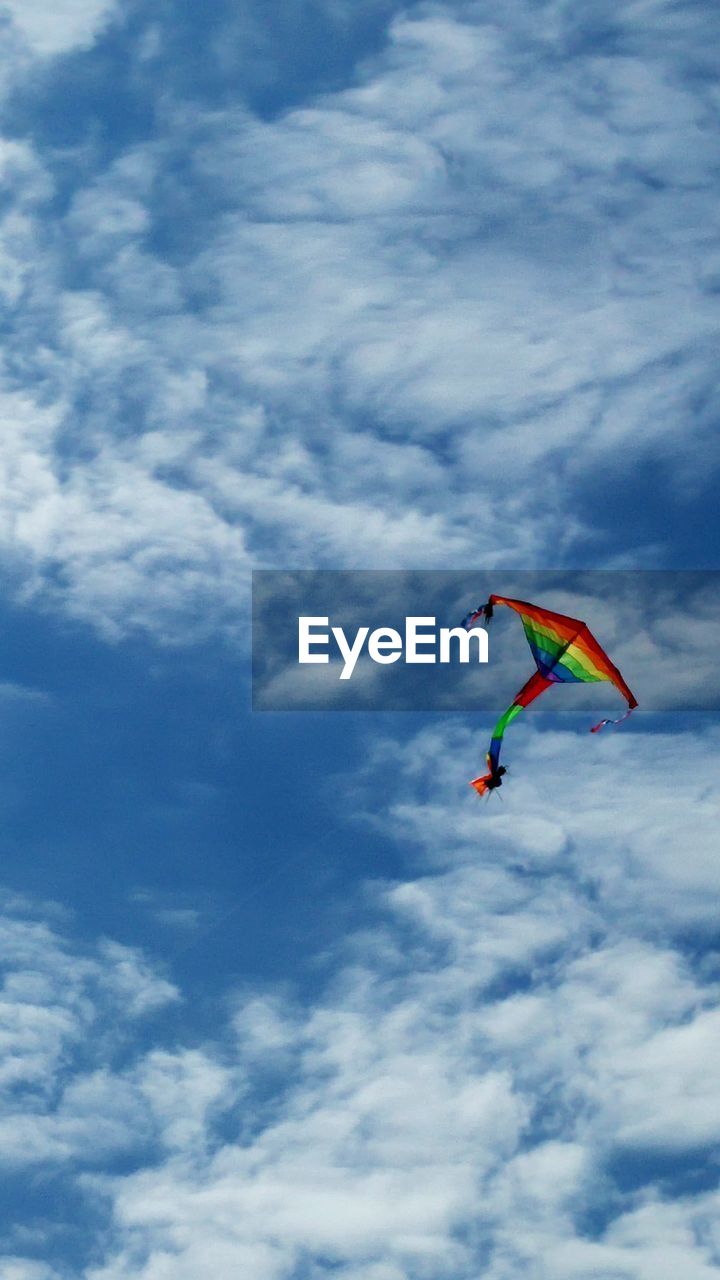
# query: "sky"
351, 286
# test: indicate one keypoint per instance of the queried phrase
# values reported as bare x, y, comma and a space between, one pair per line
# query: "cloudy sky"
381, 286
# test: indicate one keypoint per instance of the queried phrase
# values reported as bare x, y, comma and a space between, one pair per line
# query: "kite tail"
536, 685
481, 784
601, 724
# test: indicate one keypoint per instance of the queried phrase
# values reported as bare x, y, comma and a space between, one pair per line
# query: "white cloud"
381, 316
58, 1005
394, 306
523, 1023
638, 823
14, 1268
462, 1093
55, 28
181, 1088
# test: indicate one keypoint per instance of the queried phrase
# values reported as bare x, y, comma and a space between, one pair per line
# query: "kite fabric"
565, 651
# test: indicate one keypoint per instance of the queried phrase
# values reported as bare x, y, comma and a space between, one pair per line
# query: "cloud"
357, 332
59, 1099
11, 692
51, 29
615, 817
510, 1068
507, 1071
25, 1269
416, 318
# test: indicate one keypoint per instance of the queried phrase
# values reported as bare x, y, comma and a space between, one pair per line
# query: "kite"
565, 651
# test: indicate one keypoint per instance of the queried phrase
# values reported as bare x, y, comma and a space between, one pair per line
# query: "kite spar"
565, 652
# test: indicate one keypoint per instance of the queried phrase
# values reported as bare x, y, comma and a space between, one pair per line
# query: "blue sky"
349, 286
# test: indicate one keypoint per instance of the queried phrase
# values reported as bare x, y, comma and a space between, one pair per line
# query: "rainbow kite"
565, 651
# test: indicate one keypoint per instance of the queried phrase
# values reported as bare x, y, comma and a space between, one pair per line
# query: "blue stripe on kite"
550, 666
564, 676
